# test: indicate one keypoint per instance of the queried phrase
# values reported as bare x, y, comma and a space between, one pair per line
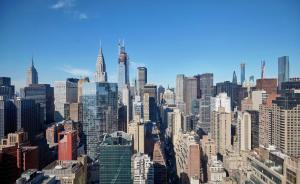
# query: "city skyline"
75, 30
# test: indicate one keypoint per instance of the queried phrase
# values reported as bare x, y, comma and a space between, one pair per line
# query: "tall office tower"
207, 84
244, 130
64, 92
6, 89
115, 158
150, 92
123, 71
81, 82
142, 169
8, 121
100, 75
186, 92
100, 112
160, 92
190, 93
67, 145
268, 85
221, 130
198, 76
221, 100
204, 114
160, 167
232, 90
188, 161
73, 111
141, 80
243, 73
32, 74
189, 123
29, 117
169, 97
234, 78
179, 88
285, 116
137, 129
258, 98
44, 95
283, 70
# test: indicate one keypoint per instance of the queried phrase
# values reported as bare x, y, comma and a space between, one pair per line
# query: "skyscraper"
100, 111
234, 78
32, 74
141, 79
142, 169
8, 121
207, 84
179, 88
64, 92
67, 145
123, 68
243, 73
44, 95
6, 89
115, 158
100, 75
150, 103
283, 70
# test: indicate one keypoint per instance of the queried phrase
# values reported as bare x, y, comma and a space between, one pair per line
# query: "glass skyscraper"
100, 113
283, 70
243, 73
115, 158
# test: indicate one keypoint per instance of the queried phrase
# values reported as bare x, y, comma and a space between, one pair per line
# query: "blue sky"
168, 37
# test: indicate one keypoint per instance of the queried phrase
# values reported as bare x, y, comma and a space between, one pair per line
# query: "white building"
244, 131
142, 169
216, 171
169, 97
258, 97
221, 100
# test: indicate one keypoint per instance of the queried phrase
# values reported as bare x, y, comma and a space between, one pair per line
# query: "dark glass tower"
115, 158
283, 70
243, 73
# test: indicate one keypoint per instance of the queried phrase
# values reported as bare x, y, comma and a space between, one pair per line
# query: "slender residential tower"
123, 69
100, 75
243, 73
32, 74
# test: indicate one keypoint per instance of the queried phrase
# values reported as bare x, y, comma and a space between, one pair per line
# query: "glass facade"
115, 158
100, 112
283, 70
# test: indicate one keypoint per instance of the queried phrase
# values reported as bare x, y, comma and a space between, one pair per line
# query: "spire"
100, 75
234, 78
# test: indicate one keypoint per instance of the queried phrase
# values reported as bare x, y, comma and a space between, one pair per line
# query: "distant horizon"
205, 37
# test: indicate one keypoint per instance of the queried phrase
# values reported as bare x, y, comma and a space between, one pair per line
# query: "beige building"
68, 172
221, 130
137, 130
216, 171
187, 151
244, 131
208, 147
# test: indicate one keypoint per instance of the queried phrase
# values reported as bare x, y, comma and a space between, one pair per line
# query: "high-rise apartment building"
142, 169
268, 85
221, 100
244, 131
123, 68
32, 74
285, 117
8, 120
221, 130
243, 73
115, 158
283, 70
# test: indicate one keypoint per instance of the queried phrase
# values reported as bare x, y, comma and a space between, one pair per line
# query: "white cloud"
79, 72
82, 16
61, 4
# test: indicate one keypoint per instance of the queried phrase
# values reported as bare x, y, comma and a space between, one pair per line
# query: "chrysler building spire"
100, 75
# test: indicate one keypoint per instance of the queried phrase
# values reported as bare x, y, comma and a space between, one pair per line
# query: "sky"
168, 37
